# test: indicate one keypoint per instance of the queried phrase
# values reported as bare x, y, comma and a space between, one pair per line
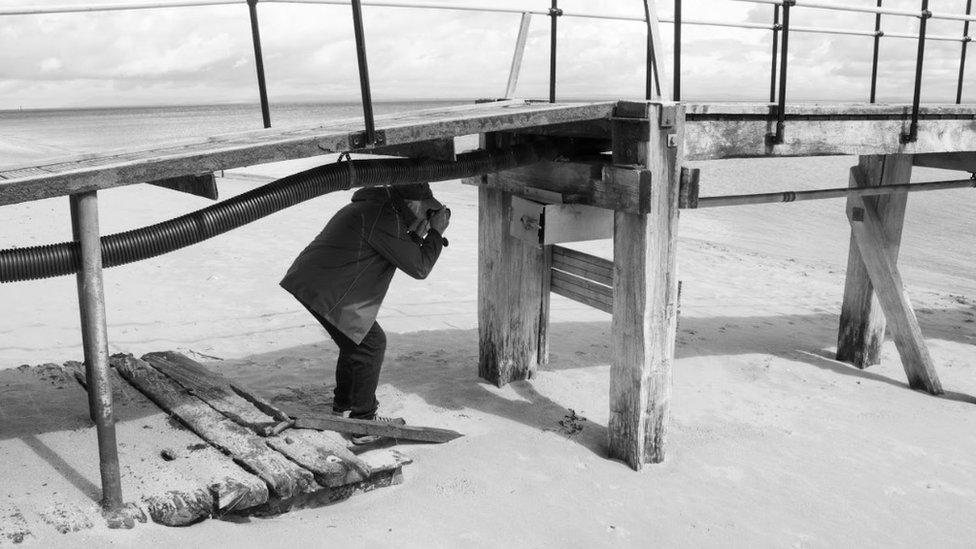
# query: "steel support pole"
772, 68
91, 299
874, 58
912, 134
357, 21
677, 50
783, 64
554, 14
962, 56
252, 6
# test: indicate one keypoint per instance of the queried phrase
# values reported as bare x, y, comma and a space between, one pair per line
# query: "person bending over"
342, 276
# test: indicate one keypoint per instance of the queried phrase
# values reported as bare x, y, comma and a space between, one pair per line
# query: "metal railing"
780, 27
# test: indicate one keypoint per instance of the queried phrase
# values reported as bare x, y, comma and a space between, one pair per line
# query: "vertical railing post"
878, 33
912, 134
357, 21
677, 50
653, 79
252, 6
772, 67
91, 300
513, 73
554, 13
783, 64
962, 57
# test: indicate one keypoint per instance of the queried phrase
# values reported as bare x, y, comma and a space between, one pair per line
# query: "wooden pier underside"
711, 131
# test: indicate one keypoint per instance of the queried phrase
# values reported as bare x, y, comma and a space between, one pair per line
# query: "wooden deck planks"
213, 388
271, 145
284, 478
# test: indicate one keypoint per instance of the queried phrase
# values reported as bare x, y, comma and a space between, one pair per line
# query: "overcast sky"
204, 55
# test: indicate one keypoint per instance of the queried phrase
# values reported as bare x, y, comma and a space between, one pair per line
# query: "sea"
31, 136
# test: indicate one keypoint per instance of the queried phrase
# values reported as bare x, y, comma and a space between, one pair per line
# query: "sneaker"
360, 440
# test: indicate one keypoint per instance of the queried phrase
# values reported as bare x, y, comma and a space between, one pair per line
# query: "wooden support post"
513, 295
862, 322
878, 257
91, 299
645, 292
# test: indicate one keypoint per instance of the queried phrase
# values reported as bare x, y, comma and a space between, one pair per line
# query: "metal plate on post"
575, 223
526, 222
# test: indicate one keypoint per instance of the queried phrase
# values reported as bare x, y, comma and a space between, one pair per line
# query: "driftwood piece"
382, 428
284, 478
212, 388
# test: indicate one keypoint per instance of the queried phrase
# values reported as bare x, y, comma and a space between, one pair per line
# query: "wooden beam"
512, 294
437, 149
862, 321
876, 253
582, 290
272, 145
583, 265
596, 184
200, 184
645, 296
736, 130
381, 428
960, 161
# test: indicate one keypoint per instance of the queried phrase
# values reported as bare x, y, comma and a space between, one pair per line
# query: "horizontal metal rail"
824, 194
33, 10
866, 9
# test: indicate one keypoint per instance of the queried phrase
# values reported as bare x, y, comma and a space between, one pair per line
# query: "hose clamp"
879, 34
926, 14
555, 12
346, 158
789, 3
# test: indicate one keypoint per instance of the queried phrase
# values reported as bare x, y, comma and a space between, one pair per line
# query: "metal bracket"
668, 115
358, 140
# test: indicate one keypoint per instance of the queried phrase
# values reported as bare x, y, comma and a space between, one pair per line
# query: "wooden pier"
631, 192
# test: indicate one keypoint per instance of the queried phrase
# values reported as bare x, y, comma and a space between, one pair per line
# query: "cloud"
205, 55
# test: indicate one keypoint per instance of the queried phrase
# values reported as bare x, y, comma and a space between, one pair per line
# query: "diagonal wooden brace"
874, 246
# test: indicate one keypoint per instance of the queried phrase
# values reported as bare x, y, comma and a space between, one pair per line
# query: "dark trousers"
357, 370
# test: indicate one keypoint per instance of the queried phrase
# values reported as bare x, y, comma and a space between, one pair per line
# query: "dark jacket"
345, 272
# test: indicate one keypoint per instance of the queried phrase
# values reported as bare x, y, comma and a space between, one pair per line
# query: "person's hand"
440, 220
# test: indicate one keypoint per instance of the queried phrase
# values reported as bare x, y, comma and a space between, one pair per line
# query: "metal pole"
823, 194
962, 57
357, 21
252, 6
652, 74
513, 73
783, 64
677, 50
772, 68
912, 134
554, 14
91, 299
874, 60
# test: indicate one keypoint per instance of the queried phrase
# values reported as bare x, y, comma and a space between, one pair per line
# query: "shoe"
360, 440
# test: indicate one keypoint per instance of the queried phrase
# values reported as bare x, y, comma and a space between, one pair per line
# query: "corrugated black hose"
61, 259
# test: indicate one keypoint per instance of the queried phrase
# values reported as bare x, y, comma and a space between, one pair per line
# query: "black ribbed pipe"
61, 259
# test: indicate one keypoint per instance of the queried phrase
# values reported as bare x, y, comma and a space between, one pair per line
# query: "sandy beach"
773, 443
